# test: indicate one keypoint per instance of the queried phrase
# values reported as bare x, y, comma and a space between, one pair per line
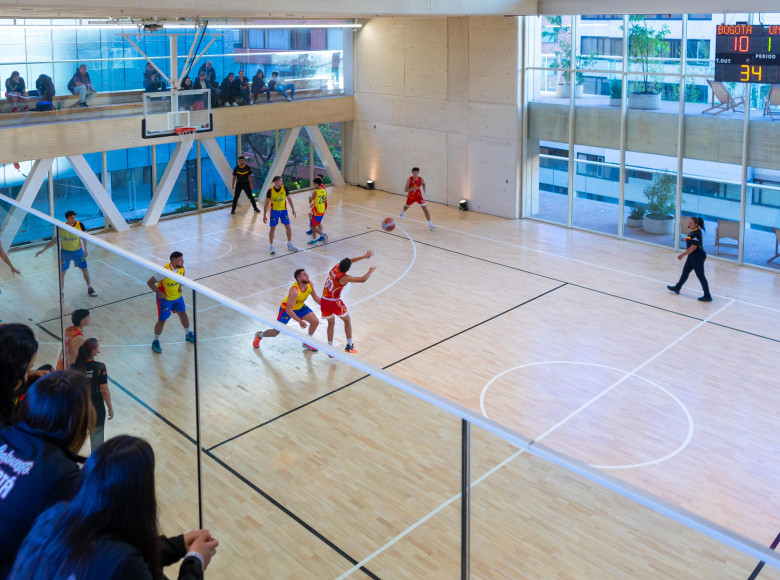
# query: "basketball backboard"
164, 112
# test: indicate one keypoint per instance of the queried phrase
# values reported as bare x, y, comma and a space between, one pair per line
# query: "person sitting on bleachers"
39, 461
202, 82
81, 85
45, 87
152, 80
15, 90
275, 85
109, 530
228, 91
259, 86
241, 88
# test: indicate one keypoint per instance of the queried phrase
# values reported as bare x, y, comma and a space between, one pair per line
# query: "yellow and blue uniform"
319, 205
71, 249
299, 307
174, 301
278, 199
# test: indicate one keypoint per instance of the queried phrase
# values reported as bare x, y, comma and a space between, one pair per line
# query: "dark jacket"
19, 87
211, 74
35, 473
258, 84
45, 87
114, 559
78, 78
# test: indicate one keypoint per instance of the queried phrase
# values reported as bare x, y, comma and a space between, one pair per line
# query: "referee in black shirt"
242, 181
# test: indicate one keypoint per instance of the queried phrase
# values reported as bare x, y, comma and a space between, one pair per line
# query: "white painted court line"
671, 395
552, 254
511, 457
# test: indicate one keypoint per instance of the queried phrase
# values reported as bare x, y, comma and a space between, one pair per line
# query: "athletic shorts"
316, 219
284, 318
331, 308
165, 307
277, 215
414, 197
76, 255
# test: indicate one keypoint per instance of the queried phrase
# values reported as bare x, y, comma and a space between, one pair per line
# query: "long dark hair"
17, 348
699, 222
116, 498
86, 352
59, 406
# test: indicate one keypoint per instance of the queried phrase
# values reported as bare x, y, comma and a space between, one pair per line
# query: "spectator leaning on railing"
16, 90
81, 85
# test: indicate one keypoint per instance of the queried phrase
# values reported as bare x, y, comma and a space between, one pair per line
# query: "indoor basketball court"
314, 469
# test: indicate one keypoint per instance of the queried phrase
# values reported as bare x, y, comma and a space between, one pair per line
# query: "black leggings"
248, 190
695, 262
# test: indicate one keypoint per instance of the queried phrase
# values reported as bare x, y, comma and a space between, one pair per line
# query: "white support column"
223, 166
316, 138
280, 159
98, 192
163, 190
26, 197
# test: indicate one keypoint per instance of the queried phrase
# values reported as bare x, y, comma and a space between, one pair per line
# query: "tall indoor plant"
661, 196
645, 46
560, 36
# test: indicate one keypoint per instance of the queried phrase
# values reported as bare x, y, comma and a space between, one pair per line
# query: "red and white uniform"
331, 303
415, 192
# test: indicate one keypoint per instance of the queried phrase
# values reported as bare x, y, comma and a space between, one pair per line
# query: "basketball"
388, 224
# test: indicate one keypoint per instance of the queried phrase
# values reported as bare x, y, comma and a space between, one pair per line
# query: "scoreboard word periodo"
747, 53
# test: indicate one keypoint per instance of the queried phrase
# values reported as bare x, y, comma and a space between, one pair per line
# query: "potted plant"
661, 196
645, 47
561, 37
615, 92
635, 218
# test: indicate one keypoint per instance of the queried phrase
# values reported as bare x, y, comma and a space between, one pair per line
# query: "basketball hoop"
187, 134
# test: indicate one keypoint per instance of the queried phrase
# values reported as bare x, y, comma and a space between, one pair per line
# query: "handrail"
642, 497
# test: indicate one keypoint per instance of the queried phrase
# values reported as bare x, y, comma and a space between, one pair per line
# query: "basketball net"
186, 134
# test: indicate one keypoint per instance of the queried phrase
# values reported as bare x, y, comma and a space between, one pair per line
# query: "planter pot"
655, 226
615, 102
634, 223
562, 90
644, 101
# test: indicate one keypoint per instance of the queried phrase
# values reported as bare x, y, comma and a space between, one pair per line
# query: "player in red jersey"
331, 303
415, 186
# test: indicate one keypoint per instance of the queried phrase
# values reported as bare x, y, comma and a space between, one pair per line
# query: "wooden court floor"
313, 470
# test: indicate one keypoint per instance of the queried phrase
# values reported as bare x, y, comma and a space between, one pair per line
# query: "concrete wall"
439, 93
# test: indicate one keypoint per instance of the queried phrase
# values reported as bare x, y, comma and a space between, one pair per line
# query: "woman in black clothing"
258, 86
228, 91
38, 461
98, 388
694, 258
109, 530
18, 350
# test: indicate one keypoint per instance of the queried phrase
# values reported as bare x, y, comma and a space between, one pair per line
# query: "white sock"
330, 343
187, 330
349, 342
156, 337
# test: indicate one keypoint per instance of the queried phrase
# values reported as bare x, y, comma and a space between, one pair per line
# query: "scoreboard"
747, 53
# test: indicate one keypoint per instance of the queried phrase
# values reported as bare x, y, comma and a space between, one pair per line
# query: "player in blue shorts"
278, 199
293, 307
169, 299
72, 249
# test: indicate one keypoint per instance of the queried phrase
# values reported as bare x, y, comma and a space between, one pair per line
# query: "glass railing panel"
530, 516
312, 468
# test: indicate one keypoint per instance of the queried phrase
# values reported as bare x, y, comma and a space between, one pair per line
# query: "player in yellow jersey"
277, 198
318, 201
72, 248
294, 307
169, 299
